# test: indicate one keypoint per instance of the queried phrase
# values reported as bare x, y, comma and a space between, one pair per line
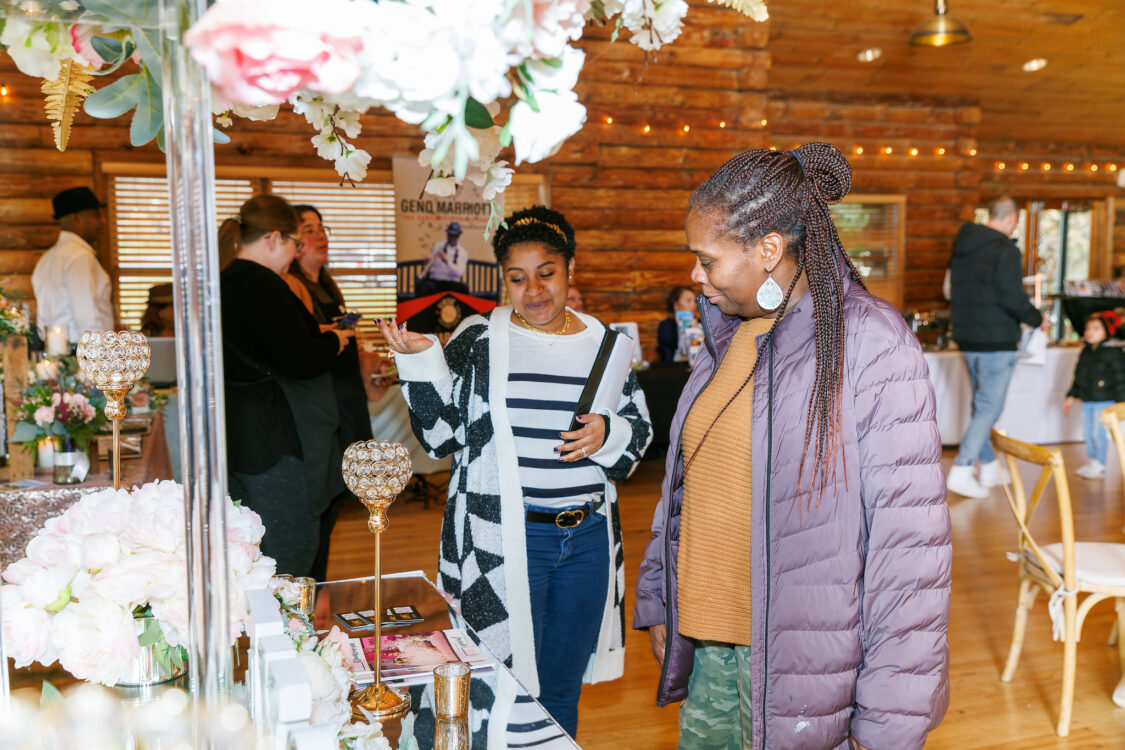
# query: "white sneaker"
962, 482
992, 474
1092, 470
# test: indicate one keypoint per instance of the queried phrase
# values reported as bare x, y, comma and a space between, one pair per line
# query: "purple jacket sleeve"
649, 608
903, 686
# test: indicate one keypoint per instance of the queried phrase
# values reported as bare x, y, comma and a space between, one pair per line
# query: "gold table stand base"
380, 701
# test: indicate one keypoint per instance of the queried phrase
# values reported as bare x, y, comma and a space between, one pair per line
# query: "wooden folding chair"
1111, 418
1066, 570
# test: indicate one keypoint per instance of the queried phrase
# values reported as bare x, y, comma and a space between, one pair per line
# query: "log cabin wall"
941, 188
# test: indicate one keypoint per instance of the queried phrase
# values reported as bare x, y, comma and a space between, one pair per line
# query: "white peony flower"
537, 135
353, 164
26, 629
441, 186
96, 640
100, 551
49, 588
364, 736
544, 33
37, 48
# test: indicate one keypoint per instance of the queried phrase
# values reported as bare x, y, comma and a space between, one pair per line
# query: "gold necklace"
528, 325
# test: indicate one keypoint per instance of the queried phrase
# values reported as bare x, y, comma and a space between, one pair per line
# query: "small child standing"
1099, 381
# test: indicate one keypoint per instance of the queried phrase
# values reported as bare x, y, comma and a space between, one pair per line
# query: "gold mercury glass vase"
376, 471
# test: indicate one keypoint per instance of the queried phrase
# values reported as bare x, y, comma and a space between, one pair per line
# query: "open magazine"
410, 658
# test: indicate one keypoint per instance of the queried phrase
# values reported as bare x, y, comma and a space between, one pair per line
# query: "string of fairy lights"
1058, 165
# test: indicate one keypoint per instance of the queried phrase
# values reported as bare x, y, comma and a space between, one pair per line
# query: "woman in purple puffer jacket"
796, 587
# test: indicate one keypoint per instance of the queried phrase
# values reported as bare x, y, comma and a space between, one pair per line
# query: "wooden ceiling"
1079, 98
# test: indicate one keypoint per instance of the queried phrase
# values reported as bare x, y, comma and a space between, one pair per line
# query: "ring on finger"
583, 452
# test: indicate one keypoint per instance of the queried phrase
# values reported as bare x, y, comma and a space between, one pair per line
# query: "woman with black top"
283, 447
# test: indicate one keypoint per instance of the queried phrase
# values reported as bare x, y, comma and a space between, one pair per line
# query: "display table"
1033, 409
662, 383
494, 696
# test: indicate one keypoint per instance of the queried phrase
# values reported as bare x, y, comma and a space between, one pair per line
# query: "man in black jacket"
988, 305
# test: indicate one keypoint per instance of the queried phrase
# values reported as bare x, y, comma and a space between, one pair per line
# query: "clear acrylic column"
199, 362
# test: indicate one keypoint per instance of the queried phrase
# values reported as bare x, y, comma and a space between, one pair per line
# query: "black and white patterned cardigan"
483, 557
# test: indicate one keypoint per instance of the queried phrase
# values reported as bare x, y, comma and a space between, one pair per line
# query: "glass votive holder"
451, 734
306, 594
451, 690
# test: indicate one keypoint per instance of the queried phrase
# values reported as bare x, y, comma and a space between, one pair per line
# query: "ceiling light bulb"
871, 54
646, 129
1036, 64
608, 120
972, 152
913, 152
722, 123
3, 90
1046, 166
1112, 167
1001, 166
765, 122
1093, 167
1024, 166
888, 150
941, 151
687, 128
858, 150
773, 148
940, 29
1069, 167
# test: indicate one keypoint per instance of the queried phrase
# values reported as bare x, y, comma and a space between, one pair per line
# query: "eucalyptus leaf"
148, 120
476, 115
217, 135
178, 656
115, 99
126, 55
506, 134
109, 48
149, 45
120, 14
160, 140
57, 429
152, 633
24, 433
49, 696
161, 654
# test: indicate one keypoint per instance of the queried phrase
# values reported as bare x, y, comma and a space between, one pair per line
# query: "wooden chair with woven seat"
1066, 570
1111, 418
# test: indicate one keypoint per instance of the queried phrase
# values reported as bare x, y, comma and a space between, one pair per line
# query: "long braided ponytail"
759, 192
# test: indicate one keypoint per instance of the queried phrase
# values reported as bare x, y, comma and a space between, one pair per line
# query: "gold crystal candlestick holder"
376, 471
113, 362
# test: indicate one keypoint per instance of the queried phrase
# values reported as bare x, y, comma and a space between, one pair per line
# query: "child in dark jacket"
1099, 381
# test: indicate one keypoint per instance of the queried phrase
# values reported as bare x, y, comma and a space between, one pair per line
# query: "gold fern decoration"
64, 97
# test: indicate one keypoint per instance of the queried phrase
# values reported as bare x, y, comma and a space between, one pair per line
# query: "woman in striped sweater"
531, 541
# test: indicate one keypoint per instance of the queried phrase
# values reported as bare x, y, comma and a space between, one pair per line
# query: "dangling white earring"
770, 294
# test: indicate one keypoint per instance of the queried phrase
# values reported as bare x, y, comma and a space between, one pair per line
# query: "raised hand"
401, 340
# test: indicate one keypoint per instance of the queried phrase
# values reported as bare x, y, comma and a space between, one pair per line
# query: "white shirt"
72, 290
546, 375
448, 261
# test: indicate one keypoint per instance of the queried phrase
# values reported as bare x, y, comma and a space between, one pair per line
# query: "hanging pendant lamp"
940, 29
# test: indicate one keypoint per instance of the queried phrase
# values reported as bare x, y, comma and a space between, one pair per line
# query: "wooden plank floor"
984, 712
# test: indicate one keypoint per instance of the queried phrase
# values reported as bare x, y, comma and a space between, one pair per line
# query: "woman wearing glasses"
283, 450
310, 280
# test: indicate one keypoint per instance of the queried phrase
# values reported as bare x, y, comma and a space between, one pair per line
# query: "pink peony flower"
80, 36
44, 415
56, 398
77, 400
259, 52
26, 629
140, 399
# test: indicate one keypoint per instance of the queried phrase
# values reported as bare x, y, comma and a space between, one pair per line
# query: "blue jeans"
1093, 429
989, 374
568, 573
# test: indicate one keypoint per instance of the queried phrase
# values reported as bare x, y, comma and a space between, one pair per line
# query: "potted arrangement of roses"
59, 407
144, 399
103, 589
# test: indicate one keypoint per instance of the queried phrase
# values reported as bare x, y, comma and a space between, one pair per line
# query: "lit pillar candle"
57, 345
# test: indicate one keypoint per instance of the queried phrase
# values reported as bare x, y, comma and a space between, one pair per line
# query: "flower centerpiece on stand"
104, 586
58, 404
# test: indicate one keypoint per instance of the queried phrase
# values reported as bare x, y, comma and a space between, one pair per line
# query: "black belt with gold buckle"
565, 519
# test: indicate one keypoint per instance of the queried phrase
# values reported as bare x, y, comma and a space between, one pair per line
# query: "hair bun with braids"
827, 168
536, 224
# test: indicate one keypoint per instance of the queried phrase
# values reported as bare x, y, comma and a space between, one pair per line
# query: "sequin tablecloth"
23, 512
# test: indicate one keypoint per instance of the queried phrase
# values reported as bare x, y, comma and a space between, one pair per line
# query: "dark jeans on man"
568, 573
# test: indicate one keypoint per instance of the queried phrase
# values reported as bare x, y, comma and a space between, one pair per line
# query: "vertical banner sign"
421, 219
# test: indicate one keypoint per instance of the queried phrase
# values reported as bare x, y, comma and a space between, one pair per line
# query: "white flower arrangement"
445, 65
112, 557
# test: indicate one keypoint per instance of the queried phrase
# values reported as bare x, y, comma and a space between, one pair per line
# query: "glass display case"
872, 229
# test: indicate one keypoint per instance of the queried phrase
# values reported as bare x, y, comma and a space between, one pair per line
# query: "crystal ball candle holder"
376, 471
113, 362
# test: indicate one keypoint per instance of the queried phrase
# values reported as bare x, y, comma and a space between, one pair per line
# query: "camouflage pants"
716, 714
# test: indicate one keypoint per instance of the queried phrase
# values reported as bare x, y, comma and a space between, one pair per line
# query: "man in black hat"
446, 270
72, 290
